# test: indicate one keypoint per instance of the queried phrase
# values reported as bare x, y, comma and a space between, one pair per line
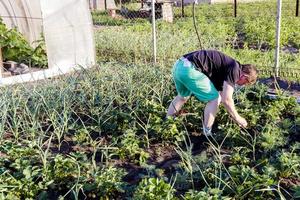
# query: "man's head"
248, 75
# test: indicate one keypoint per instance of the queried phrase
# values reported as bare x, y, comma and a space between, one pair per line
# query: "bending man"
210, 76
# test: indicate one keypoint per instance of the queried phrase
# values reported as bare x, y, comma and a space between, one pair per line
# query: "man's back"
217, 66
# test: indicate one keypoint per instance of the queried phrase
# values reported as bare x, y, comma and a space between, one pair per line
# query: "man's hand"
242, 122
229, 104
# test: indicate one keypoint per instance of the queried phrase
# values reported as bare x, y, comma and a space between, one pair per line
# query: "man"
210, 76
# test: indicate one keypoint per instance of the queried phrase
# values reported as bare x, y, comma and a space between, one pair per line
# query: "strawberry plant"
109, 182
130, 147
205, 194
271, 137
247, 181
289, 164
154, 189
16, 48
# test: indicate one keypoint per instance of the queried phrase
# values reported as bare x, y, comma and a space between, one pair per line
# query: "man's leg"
210, 112
176, 105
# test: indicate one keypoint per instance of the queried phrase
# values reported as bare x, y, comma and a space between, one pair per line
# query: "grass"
249, 38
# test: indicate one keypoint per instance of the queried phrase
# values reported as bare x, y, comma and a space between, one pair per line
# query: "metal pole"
1, 63
182, 8
278, 19
297, 8
235, 7
153, 30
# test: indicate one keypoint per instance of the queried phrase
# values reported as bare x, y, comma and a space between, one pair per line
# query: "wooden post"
1, 63
278, 26
182, 8
153, 31
235, 7
297, 8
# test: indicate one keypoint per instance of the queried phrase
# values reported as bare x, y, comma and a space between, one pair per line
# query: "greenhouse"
68, 36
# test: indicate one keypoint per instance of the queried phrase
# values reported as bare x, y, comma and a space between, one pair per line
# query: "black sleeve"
233, 74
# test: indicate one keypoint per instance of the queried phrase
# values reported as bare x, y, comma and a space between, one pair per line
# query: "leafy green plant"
289, 164
130, 147
118, 111
108, 182
154, 189
16, 48
240, 156
205, 194
247, 181
271, 137
296, 192
64, 169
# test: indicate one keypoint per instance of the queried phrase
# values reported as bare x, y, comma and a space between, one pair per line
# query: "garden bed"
99, 134
278, 86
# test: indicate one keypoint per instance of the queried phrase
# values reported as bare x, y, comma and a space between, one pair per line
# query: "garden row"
102, 134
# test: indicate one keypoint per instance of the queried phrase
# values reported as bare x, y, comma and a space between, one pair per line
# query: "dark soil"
162, 157
276, 84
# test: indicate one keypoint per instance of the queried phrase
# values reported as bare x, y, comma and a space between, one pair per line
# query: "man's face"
243, 80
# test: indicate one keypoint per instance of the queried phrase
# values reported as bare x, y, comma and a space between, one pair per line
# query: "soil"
7, 73
163, 157
290, 88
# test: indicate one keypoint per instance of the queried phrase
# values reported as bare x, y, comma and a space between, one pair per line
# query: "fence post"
153, 30
297, 8
182, 8
278, 19
235, 7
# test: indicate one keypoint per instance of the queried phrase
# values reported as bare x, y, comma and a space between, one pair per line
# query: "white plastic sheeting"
102, 4
68, 31
25, 15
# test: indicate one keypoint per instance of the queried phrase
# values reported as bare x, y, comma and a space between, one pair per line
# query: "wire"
195, 26
19, 17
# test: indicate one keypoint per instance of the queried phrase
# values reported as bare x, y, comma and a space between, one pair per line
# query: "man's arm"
228, 103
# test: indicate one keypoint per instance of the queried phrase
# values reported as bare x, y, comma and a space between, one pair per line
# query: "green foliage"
122, 115
240, 156
109, 182
247, 181
166, 129
205, 194
24, 187
153, 189
64, 169
271, 137
130, 147
289, 164
16, 48
251, 33
21, 174
296, 192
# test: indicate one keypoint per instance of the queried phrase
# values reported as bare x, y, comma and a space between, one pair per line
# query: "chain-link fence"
124, 31
245, 31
